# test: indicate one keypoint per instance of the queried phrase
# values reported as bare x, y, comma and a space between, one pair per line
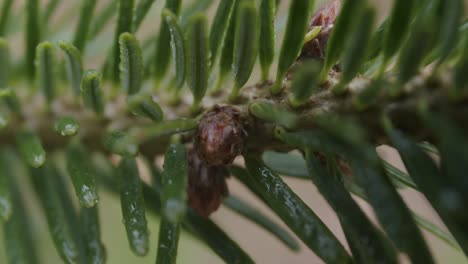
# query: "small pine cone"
325, 16
207, 186
220, 136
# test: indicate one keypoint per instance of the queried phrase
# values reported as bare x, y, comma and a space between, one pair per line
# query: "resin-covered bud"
207, 186
324, 17
220, 136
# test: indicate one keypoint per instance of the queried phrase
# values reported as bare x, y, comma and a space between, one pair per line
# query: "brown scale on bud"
220, 136
207, 186
325, 17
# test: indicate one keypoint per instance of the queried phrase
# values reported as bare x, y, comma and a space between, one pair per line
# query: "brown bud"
220, 135
207, 186
325, 16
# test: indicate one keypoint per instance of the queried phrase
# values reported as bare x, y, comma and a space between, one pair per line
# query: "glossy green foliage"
305, 83
370, 96
74, 65
187, 10
142, 104
8, 95
385, 200
292, 164
91, 91
246, 43
426, 174
381, 193
5, 193
169, 127
305, 139
360, 232
131, 64
356, 48
216, 239
5, 11
452, 145
174, 183
227, 50
293, 41
254, 215
397, 28
18, 236
448, 136
219, 26
293, 211
422, 222
5, 66
48, 188
95, 252
340, 34
266, 52
162, 52
204, 229
452, 13
376, 43
45, 70
413, 51
32, 35
102, 18
461, 79
4, 120
50, 9
197, 58
436, 231
120, 143
141, 11
30, 148
82, 176
82, 28
399, 176
124, 24
173, 202
177, 46
289, 164
274, 114
133, 206
429, 148
169, 233
371, 176
67, 126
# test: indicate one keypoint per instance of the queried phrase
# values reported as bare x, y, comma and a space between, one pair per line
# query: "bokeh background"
261, 245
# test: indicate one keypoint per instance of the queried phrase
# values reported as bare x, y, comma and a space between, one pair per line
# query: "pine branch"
342, 87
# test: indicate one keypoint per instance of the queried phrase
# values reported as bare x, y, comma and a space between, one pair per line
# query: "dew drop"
38, 160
